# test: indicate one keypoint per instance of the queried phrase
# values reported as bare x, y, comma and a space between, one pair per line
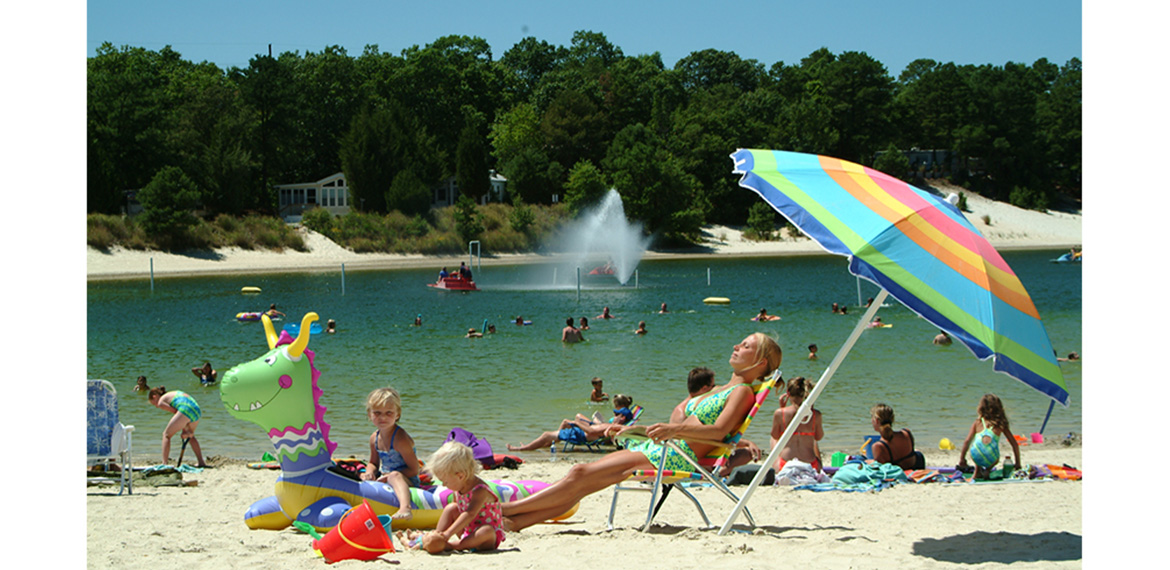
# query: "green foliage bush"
167, 201
468, 222
319, 220
761, 223
893, 162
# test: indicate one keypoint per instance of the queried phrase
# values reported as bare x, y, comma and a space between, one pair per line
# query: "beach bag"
480, 448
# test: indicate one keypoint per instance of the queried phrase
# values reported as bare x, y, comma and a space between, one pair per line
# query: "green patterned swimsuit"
707, 410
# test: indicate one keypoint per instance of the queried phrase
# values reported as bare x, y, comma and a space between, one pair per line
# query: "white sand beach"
1021, 524
1010, 227
935, 525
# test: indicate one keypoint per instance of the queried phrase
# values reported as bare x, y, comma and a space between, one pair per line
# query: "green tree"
761, 221
893, 162
167, 202
585, 187
522, 217
572, 128
408, 194
268, 88
380, 144
471, 162
126, 107
654, 187
468, 222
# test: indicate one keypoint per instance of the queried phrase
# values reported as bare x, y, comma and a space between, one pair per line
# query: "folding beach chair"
705, 469
596, 444
107, 439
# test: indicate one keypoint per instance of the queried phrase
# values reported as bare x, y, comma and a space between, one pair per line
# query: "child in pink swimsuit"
473, 521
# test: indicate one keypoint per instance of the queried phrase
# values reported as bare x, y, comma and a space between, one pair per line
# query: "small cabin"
447, 192
331, 193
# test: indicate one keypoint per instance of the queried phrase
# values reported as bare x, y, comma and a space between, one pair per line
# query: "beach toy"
1037, 437
359, 535
945, 444
249, 289
248, 317
867, 445
838, 459
279, 392
717, 301
1020, 438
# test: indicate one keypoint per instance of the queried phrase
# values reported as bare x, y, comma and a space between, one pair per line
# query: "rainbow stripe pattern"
916, 246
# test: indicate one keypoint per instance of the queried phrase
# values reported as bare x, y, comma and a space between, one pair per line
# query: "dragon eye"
270, 359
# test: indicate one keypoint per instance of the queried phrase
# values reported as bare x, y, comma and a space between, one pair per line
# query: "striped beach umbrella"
919, 249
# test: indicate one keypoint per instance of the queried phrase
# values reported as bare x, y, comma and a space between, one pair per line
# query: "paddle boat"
606, 269
454, 283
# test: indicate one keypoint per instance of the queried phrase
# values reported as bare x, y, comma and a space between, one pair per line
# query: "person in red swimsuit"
803, 443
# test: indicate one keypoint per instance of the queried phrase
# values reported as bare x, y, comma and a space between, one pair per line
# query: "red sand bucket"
359, 535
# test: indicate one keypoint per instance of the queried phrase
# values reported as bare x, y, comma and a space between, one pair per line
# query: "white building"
331, 193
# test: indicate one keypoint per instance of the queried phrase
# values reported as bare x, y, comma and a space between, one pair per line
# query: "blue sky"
229, 33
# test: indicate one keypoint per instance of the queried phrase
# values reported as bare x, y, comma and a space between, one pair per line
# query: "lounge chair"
705, 469
107, 440
596, 445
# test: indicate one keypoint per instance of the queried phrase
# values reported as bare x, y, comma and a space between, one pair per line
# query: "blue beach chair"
596, 445
107, 439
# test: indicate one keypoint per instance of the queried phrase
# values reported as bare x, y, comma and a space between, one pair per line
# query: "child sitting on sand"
983, 438
473, 521
391, 449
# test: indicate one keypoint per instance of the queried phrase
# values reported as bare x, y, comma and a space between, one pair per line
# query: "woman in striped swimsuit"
711, 416
185, 419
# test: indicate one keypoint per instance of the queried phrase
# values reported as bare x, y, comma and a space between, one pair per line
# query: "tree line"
570, 121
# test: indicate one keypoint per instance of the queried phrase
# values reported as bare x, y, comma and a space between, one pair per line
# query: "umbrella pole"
1046, 416
805, 408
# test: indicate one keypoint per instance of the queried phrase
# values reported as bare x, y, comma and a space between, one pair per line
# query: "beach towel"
797, 472
860, 476
1054, 471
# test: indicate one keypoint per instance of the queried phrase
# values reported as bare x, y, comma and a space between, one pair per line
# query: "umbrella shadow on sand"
1001, 547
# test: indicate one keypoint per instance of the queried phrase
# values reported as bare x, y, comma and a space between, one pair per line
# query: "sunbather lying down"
710, 417
583, 429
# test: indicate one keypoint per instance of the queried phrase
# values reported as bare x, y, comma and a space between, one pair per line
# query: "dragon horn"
269, 333
298, 346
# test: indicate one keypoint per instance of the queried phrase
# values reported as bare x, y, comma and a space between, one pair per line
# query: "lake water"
510, 386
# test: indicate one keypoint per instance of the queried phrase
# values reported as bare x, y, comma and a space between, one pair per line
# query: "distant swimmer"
417, 321
205, 374
812, 351
331, 326
641, 328
272, 312
472, 333
1072, 356
571, 334
836, 308
584, 324
605, 314
663, 309
764, 316
942, 339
